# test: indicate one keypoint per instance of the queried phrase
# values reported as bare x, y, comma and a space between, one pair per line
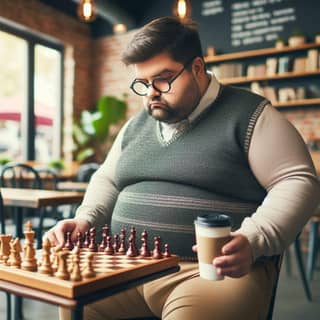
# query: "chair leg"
313, 248
8, 306
302, 269
287, 255
18, 305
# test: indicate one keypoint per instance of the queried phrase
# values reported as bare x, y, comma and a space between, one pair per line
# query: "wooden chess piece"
68, 244
92, 242
166, 253
86, 240
79, 240
156, 253
88, 271
62, 272
115, 243
131, 252
45, 265
76, 273
122, 248
4, 248
55, 260
14, 260
29, 262
109, 248
144, 250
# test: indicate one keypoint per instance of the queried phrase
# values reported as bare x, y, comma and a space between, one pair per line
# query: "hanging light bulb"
182, 9
87, 10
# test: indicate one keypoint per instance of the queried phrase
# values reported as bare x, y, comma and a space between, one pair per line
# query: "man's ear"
198, 66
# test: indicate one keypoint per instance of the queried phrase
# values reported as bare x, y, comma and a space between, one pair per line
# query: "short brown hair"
179, 38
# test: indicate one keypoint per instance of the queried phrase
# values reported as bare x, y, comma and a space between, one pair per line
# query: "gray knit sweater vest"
164, 186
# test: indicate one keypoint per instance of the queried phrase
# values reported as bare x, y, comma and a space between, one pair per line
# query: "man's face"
184, 95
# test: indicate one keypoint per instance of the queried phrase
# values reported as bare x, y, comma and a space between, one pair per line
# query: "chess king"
198, 146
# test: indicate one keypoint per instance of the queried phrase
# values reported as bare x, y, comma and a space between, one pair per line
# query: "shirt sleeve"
102, 193
282, 164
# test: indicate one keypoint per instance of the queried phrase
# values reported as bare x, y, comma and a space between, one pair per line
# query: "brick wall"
93, 67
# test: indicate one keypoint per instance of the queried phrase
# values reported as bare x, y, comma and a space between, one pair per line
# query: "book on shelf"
270, 94
284, 64
228, 70
258, 70
299, 64
312, 60
271, 66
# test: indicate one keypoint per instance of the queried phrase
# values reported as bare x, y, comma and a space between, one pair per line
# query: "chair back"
2, 216
49, 178
86, 171
20, 175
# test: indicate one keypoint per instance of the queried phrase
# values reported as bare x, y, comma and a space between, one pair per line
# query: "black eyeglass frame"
147, 85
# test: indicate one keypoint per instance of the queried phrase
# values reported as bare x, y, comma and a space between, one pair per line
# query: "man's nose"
152, 92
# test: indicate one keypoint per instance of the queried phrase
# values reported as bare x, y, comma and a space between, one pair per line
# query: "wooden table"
38, 199
76, 304
72, 186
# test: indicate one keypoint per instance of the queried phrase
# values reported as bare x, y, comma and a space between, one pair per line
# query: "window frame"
32, 39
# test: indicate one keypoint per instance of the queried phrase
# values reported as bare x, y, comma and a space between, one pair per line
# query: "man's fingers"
234, 245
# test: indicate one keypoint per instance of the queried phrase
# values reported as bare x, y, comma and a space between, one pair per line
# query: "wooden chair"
21, 175
3, 231
301, 267
314, 244
86, 170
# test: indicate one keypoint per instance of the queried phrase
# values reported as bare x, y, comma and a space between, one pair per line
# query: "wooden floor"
291, 303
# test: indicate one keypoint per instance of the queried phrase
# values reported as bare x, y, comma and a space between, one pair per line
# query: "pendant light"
87, 10
182, 9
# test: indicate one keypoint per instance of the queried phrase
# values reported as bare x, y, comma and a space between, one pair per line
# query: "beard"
160, 110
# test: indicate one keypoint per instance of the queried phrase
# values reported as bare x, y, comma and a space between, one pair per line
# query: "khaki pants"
185, 296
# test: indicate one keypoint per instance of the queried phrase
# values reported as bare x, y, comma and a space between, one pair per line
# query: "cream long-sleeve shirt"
279, 160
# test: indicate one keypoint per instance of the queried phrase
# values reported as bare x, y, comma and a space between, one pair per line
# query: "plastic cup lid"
213, 220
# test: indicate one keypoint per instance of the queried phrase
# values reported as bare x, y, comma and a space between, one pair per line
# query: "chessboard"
82, 267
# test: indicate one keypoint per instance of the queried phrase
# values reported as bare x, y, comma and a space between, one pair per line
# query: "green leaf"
84, 154
79, 135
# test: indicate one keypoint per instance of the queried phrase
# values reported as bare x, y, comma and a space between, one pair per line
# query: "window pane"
47, 103
13, 53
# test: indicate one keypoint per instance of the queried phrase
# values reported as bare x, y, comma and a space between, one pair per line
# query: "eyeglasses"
162, 85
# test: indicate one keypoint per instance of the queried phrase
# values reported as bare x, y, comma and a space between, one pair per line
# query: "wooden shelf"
257, 53
286, 75
296, 103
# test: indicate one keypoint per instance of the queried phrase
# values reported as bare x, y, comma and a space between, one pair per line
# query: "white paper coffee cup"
212, 233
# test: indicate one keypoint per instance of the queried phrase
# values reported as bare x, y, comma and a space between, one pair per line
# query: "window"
31, 85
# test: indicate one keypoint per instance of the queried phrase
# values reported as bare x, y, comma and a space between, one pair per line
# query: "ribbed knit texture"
164, 186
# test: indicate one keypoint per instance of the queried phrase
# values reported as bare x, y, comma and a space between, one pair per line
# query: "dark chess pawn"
131, 250
86, 241
166, 253
103, 243
156, 253
79, 241
92, 243
109, 248
122, 248
68, 245
115, 243
144, 250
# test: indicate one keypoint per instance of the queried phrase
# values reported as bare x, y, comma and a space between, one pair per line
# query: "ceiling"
130, 12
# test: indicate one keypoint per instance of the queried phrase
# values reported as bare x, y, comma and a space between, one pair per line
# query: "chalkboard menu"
235, 25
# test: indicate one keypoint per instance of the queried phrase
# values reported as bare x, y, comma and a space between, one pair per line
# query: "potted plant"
297, 38
57, 165
280, 42
95, 130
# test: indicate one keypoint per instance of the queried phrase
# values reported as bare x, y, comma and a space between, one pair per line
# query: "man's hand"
236, 259
56, 235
